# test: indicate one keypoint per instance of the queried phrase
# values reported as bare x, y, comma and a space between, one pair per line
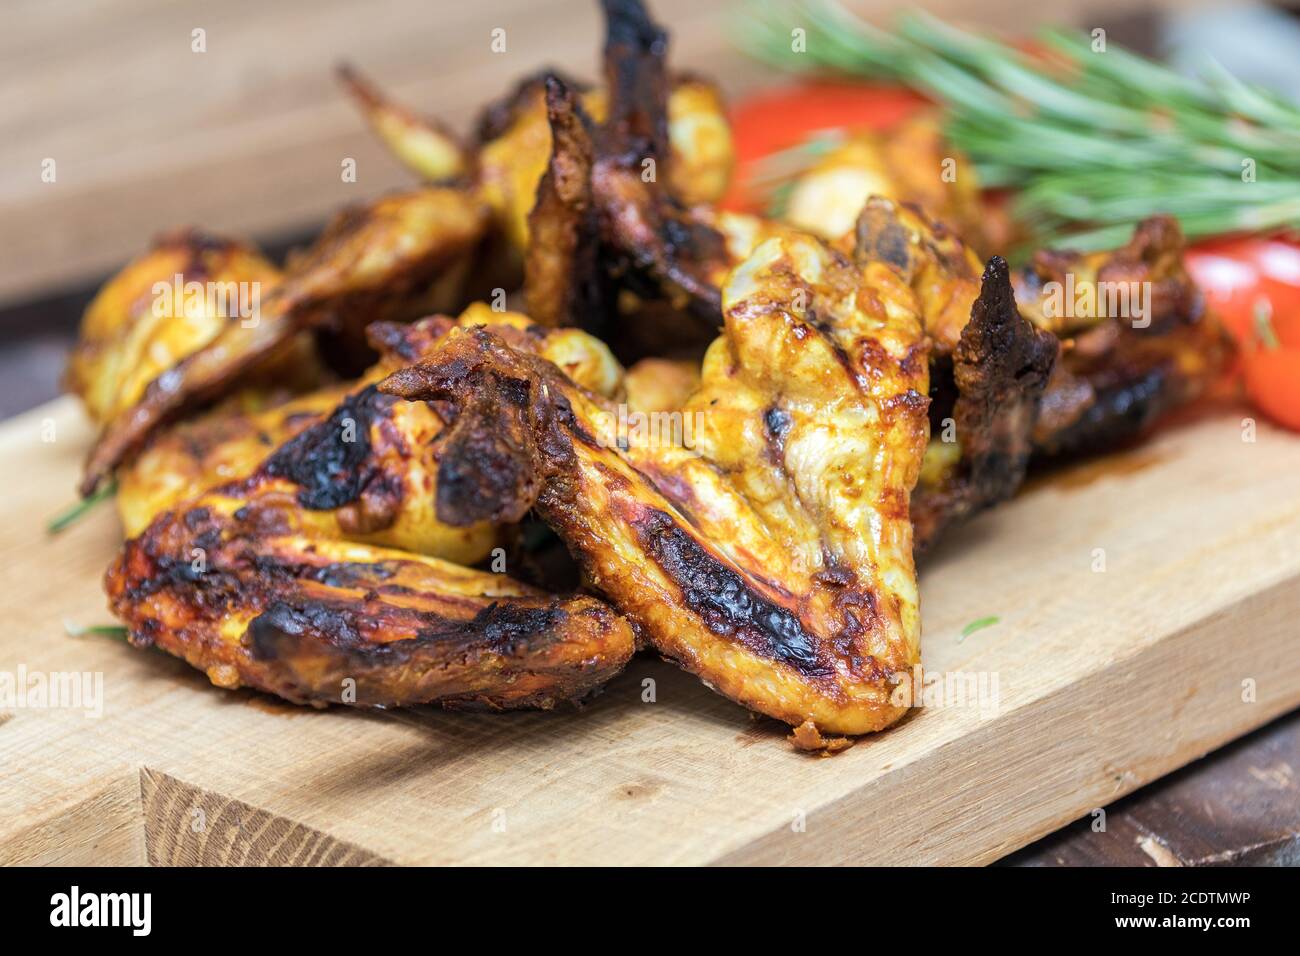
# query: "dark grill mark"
330, 471
507, 627
499, 628
776, 424
281, 620
724, 602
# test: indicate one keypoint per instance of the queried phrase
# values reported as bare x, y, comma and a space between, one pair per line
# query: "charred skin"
774, 558
1115, 379
999, 370
407, 255
991, 365
639, 219
1117, 382
995, 377
564, 282
359, 465
369, 261
321, 622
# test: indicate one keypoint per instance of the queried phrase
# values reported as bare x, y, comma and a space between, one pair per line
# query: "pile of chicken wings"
488, 438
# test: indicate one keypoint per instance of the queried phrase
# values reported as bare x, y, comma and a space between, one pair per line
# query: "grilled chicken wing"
774, 557
404, 254
514, 141
1119, 371
242, 591
990, 365
360, 464
382, 257
145, 320
287, 578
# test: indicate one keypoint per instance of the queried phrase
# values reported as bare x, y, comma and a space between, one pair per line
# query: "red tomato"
1238, 274
1273, 383
787, 116
1242, 278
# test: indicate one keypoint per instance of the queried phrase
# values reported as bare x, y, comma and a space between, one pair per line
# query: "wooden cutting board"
1106, 679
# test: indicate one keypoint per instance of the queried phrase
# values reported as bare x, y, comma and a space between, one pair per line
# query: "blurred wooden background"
248, 137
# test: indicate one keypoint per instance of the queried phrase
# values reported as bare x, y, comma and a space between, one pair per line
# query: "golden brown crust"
136, 328
246, 597
361, 466
368, 260
1117, 376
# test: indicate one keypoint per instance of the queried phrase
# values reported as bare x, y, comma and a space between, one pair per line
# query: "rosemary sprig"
74, 512
1093, 142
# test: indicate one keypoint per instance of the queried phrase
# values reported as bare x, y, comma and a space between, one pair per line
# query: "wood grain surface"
248, 136
1106, 680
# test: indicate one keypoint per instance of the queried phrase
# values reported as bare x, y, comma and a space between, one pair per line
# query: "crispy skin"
607, 236
361, 466
1117, 382
370, 260
991, 364
773, 558
942, 270
563, 282
999, 370
267, 606
640, 220
407, 255
1115, 379
1154, 255
137, 328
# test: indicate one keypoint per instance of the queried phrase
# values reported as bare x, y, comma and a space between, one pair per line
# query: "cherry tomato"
1238, 275
778, 119
1245, 279
1273, 383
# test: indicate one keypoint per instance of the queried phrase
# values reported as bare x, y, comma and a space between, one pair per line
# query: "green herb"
96, 630
74, 512
977, 625
1093, 141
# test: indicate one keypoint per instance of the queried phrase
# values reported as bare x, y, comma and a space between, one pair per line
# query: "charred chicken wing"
774, 557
